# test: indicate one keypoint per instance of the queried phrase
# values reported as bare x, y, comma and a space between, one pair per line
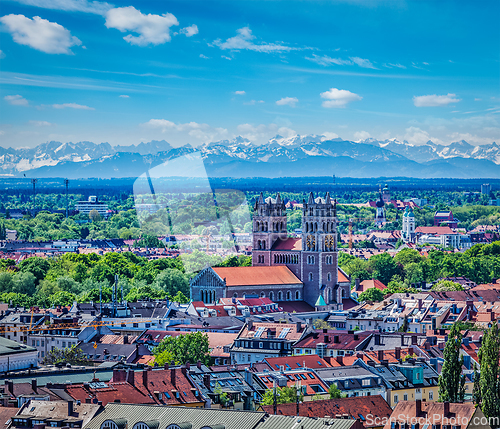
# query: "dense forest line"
78, 277
191, 213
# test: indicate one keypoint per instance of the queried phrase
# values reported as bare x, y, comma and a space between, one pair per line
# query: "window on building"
297, 296
288, 296
310, 276
405, 397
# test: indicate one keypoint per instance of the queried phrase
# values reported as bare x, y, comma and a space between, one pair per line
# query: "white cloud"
327, 135
367, 64
253, 102
397, 65
40, 34
189, 31
244, 41
2, 54
97, 7
226, 58
338, 97
124, 96
40, 123
434, 100
418, 136
72, 106
152, 29
361, 135
16, 100
202, 132
240, 92
288, 101
325, 60
204, 56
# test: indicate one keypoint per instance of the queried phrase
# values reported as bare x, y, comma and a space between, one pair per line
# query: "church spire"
311, 198
327, 198
278, 198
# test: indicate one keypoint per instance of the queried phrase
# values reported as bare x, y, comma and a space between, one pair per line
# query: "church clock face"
329, 241
310, 241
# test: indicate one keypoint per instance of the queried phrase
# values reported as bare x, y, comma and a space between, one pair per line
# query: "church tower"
380, 215
408, 231
269, 224
319, 250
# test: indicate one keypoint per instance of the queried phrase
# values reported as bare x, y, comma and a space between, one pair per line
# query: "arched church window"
329, 276
280, 296
310, 276
288, 295
271, 296
297, 295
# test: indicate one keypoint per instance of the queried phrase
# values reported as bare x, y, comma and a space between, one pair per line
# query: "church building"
284, 268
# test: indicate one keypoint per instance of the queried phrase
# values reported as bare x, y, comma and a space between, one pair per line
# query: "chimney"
145, 377
418, 407
131, 377
336, 339
446, 409
340, 360
397, 353
198, 364
10, 386
414, 340
299, 326
380, 355
188, 365
357, 283
419, 303
250, 325
88, 400
125, 339
377, 339
402, 340
166, 365
118, 375
172, 376
206, 380
356, 337
70, 408
33, 385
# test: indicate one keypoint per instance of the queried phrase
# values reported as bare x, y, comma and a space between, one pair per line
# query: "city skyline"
194, 72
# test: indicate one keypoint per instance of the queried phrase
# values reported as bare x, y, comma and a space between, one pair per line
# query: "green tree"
172, 281
489, 384
384, 267
372, 294
36, 266
71, 355
446, 285
6, 282
192, 347
284, 395
145, 292
94, 216
451, 379
62, 297
24, 283
180, 298
335, 392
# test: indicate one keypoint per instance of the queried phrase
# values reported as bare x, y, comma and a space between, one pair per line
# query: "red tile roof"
439, 230
345, 341
461, 414
295, 362
369, 284
248, 276
374, 405
305, 377
277, 328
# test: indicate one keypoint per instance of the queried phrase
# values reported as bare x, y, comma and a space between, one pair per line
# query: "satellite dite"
158, 191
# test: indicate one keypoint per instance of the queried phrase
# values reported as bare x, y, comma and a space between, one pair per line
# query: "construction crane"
95, 324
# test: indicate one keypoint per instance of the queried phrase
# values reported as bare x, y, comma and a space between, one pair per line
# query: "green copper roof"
320, 301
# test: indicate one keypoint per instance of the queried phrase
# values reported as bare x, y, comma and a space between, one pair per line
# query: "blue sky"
198, 71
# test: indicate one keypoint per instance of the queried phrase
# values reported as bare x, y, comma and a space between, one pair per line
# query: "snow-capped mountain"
311, 155
431, 150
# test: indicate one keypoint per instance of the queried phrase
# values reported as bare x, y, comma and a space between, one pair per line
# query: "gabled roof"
435, 230
295, 362
250, 276
354, 407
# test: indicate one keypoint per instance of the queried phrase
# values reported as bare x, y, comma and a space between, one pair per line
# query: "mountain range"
297, 156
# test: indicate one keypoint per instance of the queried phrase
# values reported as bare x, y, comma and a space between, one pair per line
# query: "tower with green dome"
408, 231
